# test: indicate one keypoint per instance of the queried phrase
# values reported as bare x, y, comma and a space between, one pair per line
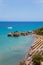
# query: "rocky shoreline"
17, 34
36, 48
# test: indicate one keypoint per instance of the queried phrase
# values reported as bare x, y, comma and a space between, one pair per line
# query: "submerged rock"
10, 34
23, 34
16, 34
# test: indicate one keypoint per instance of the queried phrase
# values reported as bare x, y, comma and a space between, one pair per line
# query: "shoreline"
36, 47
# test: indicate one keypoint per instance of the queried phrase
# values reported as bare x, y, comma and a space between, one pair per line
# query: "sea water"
13, 49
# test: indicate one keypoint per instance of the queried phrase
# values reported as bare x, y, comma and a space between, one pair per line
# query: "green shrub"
36, 59
39, 31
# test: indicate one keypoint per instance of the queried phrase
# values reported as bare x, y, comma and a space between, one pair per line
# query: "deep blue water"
14, 49
19, 26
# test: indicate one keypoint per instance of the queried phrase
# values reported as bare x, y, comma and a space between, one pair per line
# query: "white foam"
10, 27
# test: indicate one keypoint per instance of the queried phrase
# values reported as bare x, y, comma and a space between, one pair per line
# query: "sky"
21, 10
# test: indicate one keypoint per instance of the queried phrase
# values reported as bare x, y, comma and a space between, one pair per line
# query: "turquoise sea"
13, 49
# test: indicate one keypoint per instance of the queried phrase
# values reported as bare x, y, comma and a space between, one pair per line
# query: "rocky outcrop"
23, 33
16, 34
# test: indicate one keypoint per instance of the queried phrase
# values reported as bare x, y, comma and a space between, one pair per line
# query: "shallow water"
13, 49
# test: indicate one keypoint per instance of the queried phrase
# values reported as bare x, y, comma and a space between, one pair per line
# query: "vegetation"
39, 31
37, 59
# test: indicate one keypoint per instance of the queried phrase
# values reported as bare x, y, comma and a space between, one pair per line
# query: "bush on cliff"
39, 31
36, 59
